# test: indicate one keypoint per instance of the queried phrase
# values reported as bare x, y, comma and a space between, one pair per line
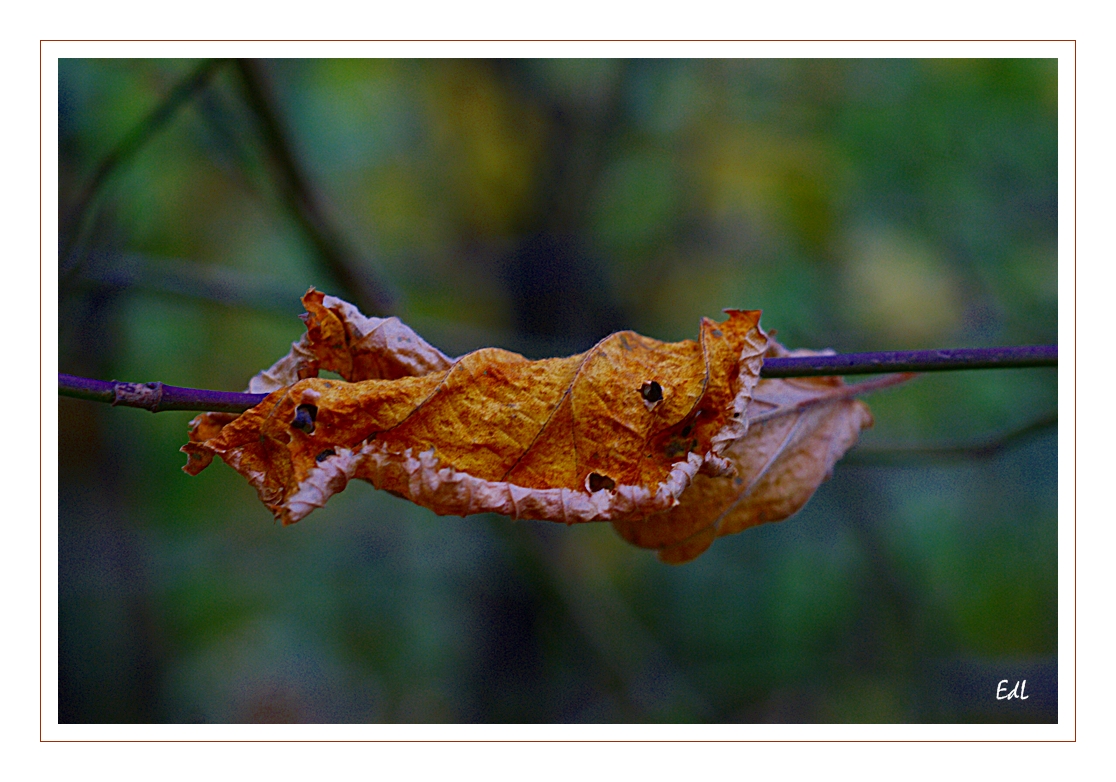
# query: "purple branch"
912, 361
157, 397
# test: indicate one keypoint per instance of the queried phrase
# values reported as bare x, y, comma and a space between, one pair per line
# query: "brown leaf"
618, 432
797, 430
340, 339
204, 427
675, 443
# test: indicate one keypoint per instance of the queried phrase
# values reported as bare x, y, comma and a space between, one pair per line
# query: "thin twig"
156, 397
912, 361
369, 293
179, 96
651, 682
193, 282
883, 456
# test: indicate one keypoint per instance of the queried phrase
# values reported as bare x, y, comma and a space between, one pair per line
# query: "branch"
885, 456
157, 397
912, 361
181, 94
194, 282
370, 294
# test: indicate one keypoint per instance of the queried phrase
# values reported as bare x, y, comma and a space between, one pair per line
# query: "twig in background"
884, 456
189, 281
643, 676
73, 228
369, 293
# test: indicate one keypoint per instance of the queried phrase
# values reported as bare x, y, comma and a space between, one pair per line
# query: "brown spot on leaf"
677, 448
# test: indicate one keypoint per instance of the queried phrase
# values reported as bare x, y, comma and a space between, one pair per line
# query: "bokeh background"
539, 205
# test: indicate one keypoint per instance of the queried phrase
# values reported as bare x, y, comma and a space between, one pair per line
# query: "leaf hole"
651, 392
305, 415
598, 482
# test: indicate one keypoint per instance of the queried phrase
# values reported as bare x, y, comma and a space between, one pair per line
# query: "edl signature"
1003, 694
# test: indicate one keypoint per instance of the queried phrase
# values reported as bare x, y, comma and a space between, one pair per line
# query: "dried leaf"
618, 432
675, 443
340, 339
797, 430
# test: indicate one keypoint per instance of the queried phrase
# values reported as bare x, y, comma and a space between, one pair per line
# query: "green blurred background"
539, 205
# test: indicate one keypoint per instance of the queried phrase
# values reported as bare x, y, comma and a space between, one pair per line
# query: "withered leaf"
340, 339
618, 432
674, 443
797, 430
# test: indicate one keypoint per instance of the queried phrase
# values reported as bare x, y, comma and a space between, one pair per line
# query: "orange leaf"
797, 430
674, 443
618, 432
340, 339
